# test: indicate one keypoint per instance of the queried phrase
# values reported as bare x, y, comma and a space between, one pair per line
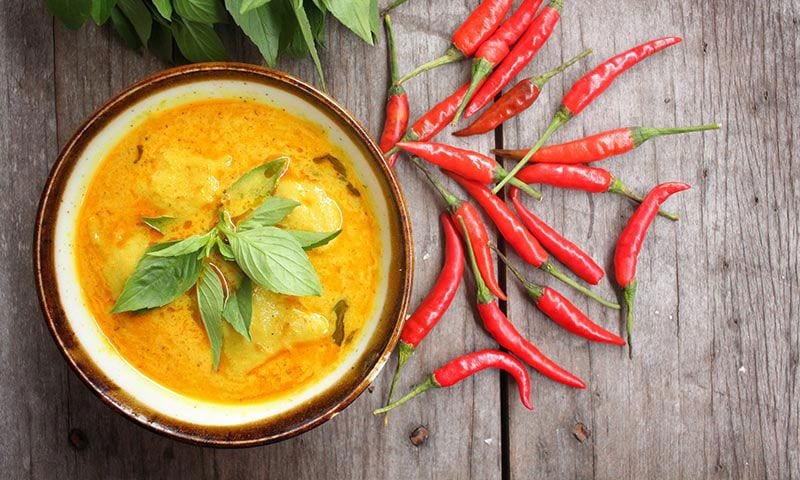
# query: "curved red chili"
522, 53
580, 177
397, 110
587, 88
561, 311
466, 212
630, 242
467, 163
478, 26
501, 329
591, 85
436, 303
495, 49
578, 261
517, 99
600, 146
515, 233
465, 366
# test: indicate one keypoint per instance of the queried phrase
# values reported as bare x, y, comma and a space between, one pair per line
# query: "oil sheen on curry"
229, 251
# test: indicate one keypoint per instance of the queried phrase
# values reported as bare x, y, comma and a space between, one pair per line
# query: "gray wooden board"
713, 389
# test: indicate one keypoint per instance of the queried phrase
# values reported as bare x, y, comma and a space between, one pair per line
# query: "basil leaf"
124, 29
157, 281
254, 186
273, 259
357, 15
198, 42
161, 43
164, 8
239, 308
308, 36
374, 19
261, 25
101, 10
272, 211
340, 309
201, 11
139, 15
248, 5
159, 224
312, 240
225, 250
72, 13
192, 244
211, 300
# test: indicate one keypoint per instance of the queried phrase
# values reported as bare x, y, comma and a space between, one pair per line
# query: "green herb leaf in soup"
272, 211
211, 300
192, 244
157, 281
273, 259
340, 310
239, 308
225, 250
254, 186
310, 240
159, 224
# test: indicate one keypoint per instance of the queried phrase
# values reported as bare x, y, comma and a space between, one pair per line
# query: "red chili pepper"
434, 119
578, 261
515, 233
502, 330
396, 104
465, 366
581, 177
600, 146
478, 26
522, 53
436, 303
561, 311
496, 48
520, 97
467, 163
630, 242
587, 88
466, 212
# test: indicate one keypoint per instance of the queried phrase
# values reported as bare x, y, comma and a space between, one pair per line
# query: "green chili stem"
629, 293
392, 52
404, 352
643, 134
480, 70
483, 293
621, 189
545, 77
451, 55
561, 117
452, 201
535, 291
393, 5
552, 270
429, 383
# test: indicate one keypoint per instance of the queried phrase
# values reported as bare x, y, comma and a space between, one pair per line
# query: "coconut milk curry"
173, 172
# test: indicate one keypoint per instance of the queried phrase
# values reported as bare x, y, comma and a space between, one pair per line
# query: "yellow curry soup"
178, 163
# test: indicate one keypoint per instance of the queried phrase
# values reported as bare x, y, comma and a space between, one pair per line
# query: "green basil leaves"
271, 257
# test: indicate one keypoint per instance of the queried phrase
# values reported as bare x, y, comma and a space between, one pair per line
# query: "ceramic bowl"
96, 361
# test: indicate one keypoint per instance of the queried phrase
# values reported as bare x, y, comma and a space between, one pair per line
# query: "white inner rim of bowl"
89, 333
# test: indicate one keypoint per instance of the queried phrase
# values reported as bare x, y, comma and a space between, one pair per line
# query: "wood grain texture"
714, 389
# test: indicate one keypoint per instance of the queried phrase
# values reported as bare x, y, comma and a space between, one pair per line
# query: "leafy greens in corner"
273, 258
276, 27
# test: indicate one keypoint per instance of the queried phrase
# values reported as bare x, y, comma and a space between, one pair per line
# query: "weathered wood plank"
30, 365
712, 391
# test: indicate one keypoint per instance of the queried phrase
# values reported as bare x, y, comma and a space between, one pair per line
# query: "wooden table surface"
714, 390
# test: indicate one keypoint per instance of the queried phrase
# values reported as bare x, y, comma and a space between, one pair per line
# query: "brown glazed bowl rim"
297, 420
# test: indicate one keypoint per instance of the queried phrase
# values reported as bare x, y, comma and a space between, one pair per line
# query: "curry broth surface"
178, 163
